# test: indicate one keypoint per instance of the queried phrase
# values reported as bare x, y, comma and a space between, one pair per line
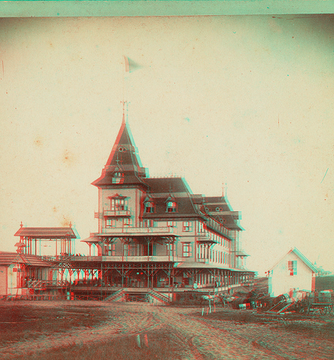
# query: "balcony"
111, 213
161, 258
205, 238
116, 213
140, 258
139, 231
214, 226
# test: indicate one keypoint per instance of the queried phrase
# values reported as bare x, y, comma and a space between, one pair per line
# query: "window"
148, 223
292, 267
186, 226
118, 178
110, 223
171, 224
186, 249
126, 222
117, 204
112, 250
149, 207
201, 252
171, 206
200, 227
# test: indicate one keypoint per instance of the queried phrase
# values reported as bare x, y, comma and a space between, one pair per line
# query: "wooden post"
148, 275
101, 282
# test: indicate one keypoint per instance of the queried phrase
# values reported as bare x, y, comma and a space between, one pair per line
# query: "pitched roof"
123, 158
167, 185
301, 257
241, 253
219, 209
9, 258
46, 232
185, 208
304, 259
123, 150
107, 179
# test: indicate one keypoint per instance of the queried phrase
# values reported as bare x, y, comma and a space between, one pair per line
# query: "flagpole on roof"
126, 70
129, 66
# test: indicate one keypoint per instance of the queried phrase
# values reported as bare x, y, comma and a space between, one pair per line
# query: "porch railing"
45, 283
138, 230
145, 258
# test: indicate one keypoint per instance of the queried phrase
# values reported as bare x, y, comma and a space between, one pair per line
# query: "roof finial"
123, 118
21, 225
224, 189
127, 112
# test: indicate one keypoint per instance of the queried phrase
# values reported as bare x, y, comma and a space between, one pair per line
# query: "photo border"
162, 8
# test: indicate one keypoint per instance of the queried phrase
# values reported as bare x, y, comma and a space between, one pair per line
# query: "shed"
16, 269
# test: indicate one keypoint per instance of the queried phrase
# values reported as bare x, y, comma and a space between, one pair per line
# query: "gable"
294, 255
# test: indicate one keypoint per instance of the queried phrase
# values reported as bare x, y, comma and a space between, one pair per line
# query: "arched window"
117, 203
171, 206
149, 207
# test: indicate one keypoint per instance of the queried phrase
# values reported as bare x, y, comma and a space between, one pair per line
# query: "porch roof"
198, 265
10, 258
46, 232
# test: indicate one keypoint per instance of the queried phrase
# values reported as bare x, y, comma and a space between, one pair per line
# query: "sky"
245, 101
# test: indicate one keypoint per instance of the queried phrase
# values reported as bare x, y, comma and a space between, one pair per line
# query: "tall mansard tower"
121, 185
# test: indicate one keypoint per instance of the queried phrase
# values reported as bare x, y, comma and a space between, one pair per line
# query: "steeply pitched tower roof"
123, 159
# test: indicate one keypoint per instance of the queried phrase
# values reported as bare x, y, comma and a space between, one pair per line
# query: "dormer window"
118, 178
171, 206
149, 207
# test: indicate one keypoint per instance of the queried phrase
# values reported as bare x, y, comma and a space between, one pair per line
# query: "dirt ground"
101, 330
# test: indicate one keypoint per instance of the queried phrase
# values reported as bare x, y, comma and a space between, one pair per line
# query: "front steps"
139, 295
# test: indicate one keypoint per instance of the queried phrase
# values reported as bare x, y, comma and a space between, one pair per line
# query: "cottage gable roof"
301, 257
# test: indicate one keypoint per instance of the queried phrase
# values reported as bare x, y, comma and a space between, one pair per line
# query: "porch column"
122, 273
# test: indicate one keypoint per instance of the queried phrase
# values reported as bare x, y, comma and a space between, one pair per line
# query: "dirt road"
203, 337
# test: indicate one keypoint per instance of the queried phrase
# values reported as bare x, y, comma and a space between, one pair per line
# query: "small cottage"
293, 272
17, 270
